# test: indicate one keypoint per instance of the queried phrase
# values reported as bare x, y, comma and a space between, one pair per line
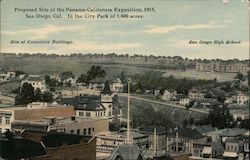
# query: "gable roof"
126, 152
186, 133
90, 103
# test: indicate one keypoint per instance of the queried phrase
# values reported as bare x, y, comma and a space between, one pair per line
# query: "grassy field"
56, 66
176, 117
6, 88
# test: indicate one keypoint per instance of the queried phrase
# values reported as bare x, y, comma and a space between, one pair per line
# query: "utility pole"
128, 123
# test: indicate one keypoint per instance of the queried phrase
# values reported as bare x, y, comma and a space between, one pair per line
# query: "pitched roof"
186, 132
150, 129
106, 89
204, 129
126, 152
232, 132
84, 102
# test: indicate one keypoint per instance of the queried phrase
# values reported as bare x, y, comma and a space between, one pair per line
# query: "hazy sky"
165, 32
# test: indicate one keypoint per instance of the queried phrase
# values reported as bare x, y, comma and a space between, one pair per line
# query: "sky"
165, 32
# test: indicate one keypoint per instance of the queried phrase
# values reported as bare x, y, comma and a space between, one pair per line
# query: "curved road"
164, 103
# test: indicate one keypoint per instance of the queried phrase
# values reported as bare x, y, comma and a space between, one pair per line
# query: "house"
93, 106
126, 152
195, 94
37, 82
3, 76
185, 101
239, 115
233, 148
33, 112
186, 140
11, 73
178, 97
117, 86
242, 98
168, 94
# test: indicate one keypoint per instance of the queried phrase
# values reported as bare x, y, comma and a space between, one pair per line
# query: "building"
108, 142
239, 115
11, 73
186, 140
158, 137
127, 152
37, 82
168, 94
33, 112
117, 86
195, 94
220, 66
242, 98
3, 76
47, 146
103, 106
184, 101
233, 148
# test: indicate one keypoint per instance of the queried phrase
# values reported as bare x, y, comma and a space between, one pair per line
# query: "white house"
117, 86
11, 73
37, 82
168, 94
184, 101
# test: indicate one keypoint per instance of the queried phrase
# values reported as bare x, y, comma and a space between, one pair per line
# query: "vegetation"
154, 80
219, 117
28, 95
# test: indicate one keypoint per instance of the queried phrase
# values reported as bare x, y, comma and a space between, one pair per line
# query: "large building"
33, 112
220, 66
37, 82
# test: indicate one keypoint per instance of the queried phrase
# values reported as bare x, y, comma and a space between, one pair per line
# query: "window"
89, 131
81, 113
71, 131
88, 114
78, 131
0, 130
0, 120
7, 120
93, 129
84, 131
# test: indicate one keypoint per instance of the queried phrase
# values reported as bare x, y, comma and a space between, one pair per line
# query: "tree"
245, 124
191, 120
185, 123
122, 76
221, 117
37, 95
65, 75
26, 95
239, 76
47, 97
95, 72
82, 79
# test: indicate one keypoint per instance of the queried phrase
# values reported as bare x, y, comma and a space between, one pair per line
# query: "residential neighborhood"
91, 111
